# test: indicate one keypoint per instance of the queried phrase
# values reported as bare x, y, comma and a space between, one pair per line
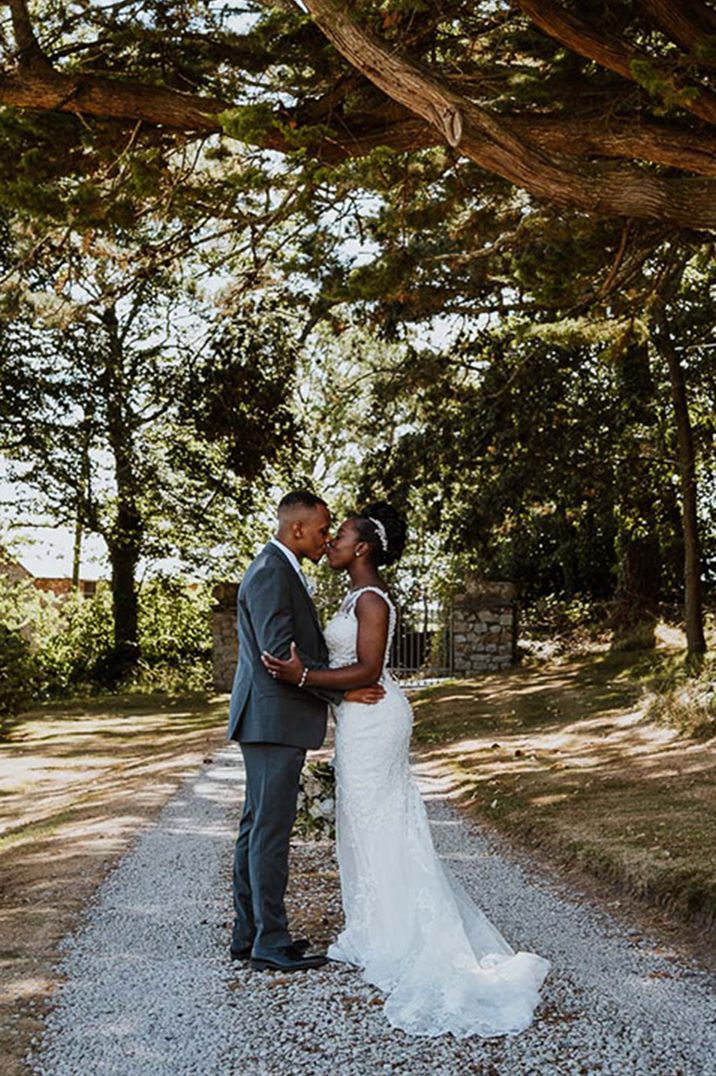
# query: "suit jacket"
273, 609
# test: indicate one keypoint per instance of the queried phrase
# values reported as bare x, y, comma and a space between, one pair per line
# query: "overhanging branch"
576, 137
496, 145
611, 52
689, 23
535, 152
50, 91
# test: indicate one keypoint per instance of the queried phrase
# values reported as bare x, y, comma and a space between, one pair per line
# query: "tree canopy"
605, 109
133, 410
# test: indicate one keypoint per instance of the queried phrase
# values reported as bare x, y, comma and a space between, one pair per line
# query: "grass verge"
566, 758
76, 784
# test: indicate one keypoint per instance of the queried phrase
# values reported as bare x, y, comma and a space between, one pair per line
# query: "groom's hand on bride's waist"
367, 695
295, 672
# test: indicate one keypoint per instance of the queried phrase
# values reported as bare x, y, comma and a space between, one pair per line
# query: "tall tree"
679, 300
141, 424
547, 454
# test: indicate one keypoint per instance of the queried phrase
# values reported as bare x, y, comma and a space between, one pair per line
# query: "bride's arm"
372, 615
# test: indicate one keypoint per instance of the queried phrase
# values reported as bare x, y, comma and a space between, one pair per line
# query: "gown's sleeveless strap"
350, 607
353, 596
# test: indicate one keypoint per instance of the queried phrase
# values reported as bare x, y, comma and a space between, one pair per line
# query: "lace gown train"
409, 925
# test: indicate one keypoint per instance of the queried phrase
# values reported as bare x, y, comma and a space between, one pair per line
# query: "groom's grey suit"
274, 722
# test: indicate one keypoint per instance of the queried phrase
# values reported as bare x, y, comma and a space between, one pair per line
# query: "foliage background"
57, 647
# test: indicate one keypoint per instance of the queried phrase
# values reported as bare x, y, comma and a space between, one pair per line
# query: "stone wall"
225, 645
484, 630
484, 627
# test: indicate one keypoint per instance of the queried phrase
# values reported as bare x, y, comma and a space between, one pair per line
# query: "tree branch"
399, 78
521, 148
29, 54
689, 23
573, 137
94, 95
647, 140
493, 142
611, 52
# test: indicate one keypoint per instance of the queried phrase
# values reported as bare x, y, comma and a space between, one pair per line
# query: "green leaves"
248, 122
666, 89
239, 395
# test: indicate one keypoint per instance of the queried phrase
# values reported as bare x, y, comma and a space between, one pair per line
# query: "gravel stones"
150, 991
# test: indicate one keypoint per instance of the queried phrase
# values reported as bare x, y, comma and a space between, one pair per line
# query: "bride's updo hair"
381, 525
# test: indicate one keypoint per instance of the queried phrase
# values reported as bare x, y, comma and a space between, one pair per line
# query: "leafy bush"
73, 636
174, 635
554, 615
18, 675
174, 620
68, 644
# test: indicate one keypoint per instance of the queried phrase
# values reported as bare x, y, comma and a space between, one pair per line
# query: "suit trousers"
261, 855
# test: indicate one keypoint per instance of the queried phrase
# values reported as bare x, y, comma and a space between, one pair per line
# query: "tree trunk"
77, 552
82, 495
125, 538
639, 553
695, 639
639, 583
124, 559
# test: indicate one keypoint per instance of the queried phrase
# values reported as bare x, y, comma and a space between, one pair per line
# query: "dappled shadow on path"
76, 785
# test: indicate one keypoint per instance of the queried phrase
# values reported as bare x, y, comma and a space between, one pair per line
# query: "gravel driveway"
150, 990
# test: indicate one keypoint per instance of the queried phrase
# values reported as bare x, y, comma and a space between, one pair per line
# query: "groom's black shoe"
287, 958
299, 944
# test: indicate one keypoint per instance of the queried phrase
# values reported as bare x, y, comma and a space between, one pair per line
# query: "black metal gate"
422, 646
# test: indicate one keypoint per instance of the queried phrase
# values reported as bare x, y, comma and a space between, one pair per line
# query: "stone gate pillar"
225, 645
484, 627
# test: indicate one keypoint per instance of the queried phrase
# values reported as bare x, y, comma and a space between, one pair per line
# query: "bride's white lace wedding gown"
409, 925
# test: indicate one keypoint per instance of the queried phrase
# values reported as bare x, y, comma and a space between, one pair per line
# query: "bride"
409, 925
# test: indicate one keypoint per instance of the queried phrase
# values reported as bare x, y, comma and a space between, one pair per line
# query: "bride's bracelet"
304, 674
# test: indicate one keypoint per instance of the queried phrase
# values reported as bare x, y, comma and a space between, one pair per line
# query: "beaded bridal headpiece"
380, 531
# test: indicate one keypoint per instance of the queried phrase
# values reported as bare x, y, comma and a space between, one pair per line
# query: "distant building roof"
11, 568
63, 585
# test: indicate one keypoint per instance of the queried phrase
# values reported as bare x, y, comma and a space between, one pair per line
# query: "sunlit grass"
566, 757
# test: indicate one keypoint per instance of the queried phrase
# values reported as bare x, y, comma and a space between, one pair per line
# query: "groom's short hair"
299, 498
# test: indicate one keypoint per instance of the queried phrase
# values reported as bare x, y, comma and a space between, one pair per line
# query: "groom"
275, 723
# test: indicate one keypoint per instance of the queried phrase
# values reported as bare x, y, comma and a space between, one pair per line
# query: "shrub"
174, 635
73, 636
68, 640
18, 675
174, 621
554, 615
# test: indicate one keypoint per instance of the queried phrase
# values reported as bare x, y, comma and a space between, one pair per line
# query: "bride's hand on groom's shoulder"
290, 671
